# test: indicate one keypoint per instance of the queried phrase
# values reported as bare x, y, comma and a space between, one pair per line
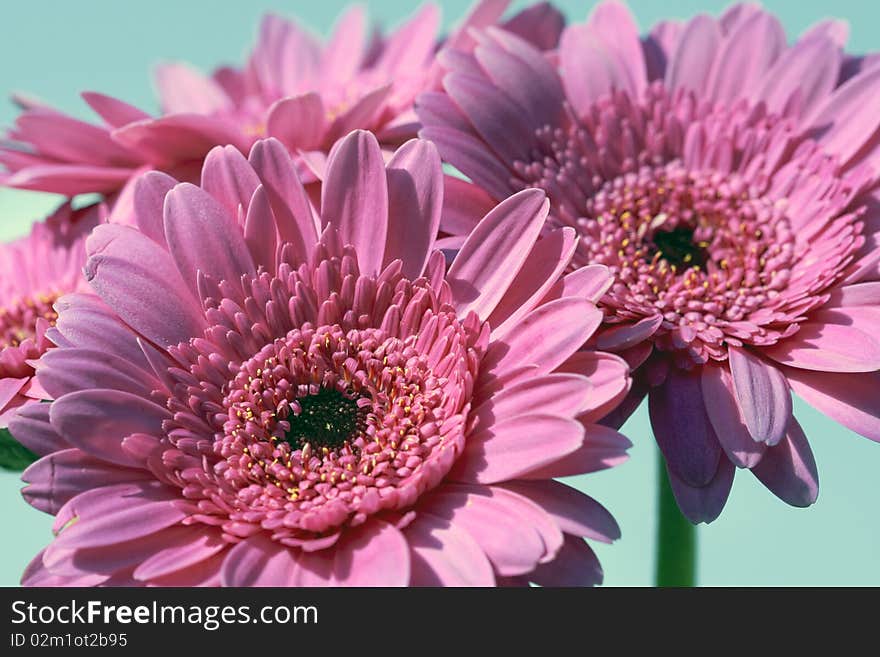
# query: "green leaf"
13, 455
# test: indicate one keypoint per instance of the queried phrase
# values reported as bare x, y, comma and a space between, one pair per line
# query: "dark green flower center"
677, 247
327, 419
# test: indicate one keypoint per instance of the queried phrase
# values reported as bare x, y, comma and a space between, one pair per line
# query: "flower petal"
762, 394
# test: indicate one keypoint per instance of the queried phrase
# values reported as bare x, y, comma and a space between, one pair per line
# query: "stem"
676, 538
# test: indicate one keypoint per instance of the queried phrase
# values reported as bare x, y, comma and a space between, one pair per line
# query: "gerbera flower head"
266, 395
302, 90
729, 181
34, 272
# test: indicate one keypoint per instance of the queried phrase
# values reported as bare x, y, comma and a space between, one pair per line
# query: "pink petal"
373, 554
97, 420
415, 201
726, 417
70, 179
745, 56
602, 448
68, 370
762, 394
549, 257
138, 279
546, 337
145, 511
609, 381
789, 469
354, 197
513, 547
290, 204
496, 249
589, 69
809, 68
298, 122
564, 395
442, 554
514, 447
31, 428
259, 230
576, 513
149, 202
56, 478
258, 562
849, 116
9, 388
614, 24
464, 205
828, 348
227, 176
694, 56
623, 336
186, 550
176, 138
852, 400
184, 89
115, 112
192, 216
590, 282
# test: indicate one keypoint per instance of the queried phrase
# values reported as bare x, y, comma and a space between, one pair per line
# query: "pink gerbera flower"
729, 181
304, 92
259, 395
35, 271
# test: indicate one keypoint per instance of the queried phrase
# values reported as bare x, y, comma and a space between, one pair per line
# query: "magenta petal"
789, 469
258, 562
9, 388
97, 420
354, 197
624, 336
192, 216
140, 282
726, 417
762, 393
575, 565
514, 447
68, 370
176, 138
703, 503
31, 427
682, 428
464, 205
852, 400
415, 201
495, 250
445, 555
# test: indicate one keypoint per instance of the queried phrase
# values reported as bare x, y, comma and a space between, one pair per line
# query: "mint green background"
54, 49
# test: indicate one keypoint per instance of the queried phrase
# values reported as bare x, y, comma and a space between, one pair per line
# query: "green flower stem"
676, 538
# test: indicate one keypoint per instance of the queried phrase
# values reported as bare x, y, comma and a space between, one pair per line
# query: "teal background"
54, 49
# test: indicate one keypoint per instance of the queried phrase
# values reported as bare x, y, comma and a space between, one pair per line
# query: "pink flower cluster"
287, 349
